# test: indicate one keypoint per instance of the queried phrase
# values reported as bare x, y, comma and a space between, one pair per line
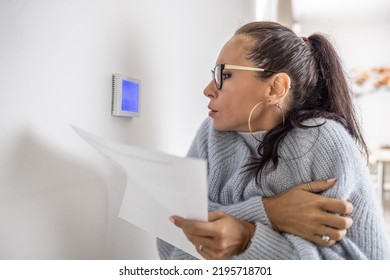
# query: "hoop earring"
250, 117
281, 110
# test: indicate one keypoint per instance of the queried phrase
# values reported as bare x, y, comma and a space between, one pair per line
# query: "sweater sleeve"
335, 154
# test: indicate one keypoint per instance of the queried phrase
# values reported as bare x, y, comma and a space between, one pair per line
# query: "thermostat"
125, 96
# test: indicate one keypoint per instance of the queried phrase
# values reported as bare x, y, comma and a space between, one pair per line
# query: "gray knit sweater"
319, 153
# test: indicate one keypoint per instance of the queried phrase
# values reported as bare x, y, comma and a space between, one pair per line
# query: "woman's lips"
212, 111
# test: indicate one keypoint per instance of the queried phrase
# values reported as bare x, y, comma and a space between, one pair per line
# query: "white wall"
59, 199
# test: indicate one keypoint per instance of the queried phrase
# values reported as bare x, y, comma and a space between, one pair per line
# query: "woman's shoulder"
330, 131
318, 133
319, 130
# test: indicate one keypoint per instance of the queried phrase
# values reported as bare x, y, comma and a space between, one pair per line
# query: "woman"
281, 115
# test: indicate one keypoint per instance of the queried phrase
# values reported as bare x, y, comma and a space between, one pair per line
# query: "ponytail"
334, 88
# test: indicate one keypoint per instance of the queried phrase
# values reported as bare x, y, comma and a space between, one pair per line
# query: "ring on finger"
326, 237
309, 187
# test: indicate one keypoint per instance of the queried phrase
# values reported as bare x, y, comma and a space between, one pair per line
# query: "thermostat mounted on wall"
125, 96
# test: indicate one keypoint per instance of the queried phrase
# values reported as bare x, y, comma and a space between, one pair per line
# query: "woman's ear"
280, 85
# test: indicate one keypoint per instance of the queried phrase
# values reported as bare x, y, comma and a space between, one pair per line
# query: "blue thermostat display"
130, 96
125, 96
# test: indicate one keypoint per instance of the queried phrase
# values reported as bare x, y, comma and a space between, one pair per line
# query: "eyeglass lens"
217, 76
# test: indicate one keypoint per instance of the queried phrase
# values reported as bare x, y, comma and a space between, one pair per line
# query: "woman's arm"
226, 235
301, 212
286, 212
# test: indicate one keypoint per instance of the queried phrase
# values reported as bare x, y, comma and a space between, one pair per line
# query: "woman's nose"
210, 90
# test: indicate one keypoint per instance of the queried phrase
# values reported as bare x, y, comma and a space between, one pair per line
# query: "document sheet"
158, 186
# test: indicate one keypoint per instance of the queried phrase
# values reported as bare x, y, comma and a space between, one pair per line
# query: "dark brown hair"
319, 87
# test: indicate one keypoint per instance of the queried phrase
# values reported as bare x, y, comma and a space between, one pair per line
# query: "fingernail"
172, 220
331, 180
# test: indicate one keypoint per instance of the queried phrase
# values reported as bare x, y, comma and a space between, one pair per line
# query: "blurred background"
59, 198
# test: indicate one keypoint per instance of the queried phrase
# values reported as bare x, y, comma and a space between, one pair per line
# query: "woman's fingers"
304, 212
335, 221
204, 229
200, 233
196, 233
334, 234
318, 186
216, 215
192, 227
329, 204
327, 236
220, 238
323, 242
336, 206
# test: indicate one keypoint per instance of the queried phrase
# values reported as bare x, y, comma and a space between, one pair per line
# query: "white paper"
158, 186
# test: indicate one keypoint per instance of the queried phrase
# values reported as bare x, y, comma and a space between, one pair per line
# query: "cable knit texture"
305, 155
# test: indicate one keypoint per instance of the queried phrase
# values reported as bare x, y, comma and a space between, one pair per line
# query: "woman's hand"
311, 216
220, 238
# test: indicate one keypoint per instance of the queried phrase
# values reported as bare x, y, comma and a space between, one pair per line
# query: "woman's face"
241, 91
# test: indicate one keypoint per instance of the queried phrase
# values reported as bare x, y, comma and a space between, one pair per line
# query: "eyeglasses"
217, 72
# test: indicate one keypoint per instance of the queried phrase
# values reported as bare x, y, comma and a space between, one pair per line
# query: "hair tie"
305, 39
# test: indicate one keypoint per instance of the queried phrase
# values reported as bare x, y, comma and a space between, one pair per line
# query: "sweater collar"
251, 141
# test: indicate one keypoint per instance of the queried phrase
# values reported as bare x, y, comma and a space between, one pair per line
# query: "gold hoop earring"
250, 117
281, 110
251, 113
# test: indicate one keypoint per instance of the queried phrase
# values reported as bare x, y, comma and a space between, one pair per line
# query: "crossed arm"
298, 211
